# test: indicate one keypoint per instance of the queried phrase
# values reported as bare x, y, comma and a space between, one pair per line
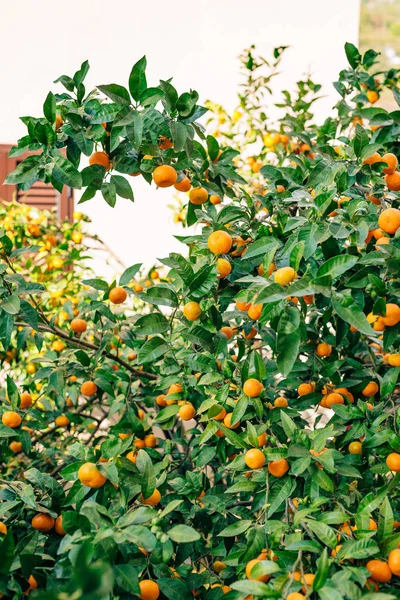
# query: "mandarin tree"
225, 432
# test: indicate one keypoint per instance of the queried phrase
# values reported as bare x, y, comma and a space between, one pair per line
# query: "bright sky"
194, 42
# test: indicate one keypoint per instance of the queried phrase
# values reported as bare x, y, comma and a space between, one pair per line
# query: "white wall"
195, 42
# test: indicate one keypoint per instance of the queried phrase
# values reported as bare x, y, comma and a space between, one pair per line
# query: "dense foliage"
230, 429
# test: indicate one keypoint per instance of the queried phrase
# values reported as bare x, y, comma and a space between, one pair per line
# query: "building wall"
196, 43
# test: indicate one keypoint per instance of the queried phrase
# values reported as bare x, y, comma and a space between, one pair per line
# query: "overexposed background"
196, 43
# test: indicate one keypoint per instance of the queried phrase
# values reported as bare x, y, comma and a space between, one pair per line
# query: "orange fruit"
394, 360
228, 422
394, 561
370, 389
139, 444
11, 419
255, 311
149, 590
89, 475
262, 439
227, 331
254, 458
88, 388
296, 595
355, 448
345, 392
308, 579
26, 400
62, 421
380, 242
372, 96
243, 306
183, 185
370, 160
152, 500
392, 315
333, 398
252, 388
393, 181
221, 415
379, 570
59, 526
218, 566
150, 440
249, 568
214, 199
393, 462
100, 158
132, 457
59, 121
278, 467
198, 196
165, 143
324, 349
389, 220
175, 388
192, 311
117, 295
32, 584
160, 400
78, 325
224, 267
187, 412
15, 446
3, 528
252, 334
284, 276
281, 402
304, 389
165, 176
43, 523
220, 242
391, 161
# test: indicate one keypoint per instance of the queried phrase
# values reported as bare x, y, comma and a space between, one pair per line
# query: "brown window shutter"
39, 195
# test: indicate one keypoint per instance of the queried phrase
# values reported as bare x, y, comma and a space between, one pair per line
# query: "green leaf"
146, 468
236, 528
152, 349
109, 192
361, 140
137, 79
337, 265
11, 304
129, 274
289, 321
179, 134
322, 571
326, 534
65, 172
203, 281
183, 534
389, 381
161, 296
151, 324
117, 93
255, 588
352, 54
359, 549
352, 314
97, 284
122, 187
49, 107
288, 346
26, 171
126, 577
